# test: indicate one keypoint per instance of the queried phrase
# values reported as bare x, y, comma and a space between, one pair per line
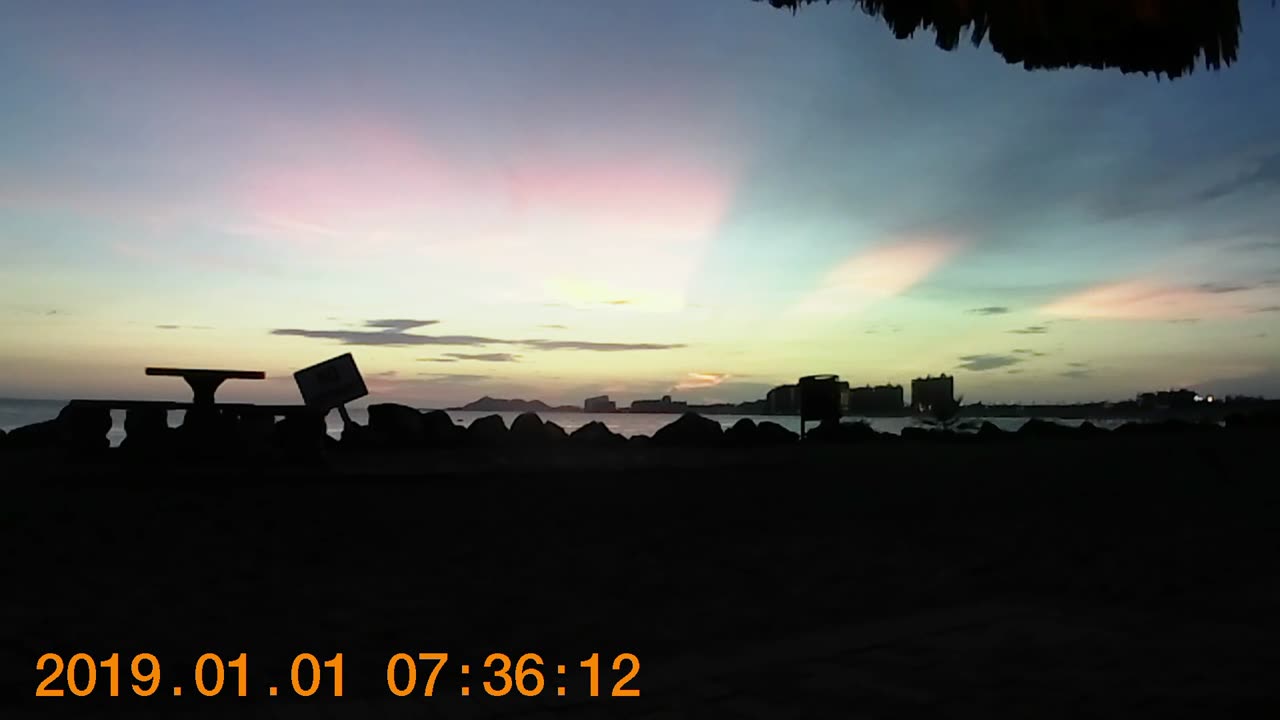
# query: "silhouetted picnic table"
204, 383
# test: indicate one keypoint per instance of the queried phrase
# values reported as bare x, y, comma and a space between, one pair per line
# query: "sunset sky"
562, 198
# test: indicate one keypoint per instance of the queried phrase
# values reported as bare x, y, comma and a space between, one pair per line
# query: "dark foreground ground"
1039, 581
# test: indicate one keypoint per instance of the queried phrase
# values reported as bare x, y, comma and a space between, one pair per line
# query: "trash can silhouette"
819, 399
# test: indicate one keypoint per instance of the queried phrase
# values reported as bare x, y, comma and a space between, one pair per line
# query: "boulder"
639, 441
919, 434
440, 431
302, 432
255, 433
1088, 429
771, 433
528, 430
834, 431
742, 434
690, 430
84, 428
488, 431
554, 432
596, 434
396, 426
36, 436
3, 435
1256, 420
989, 431
1037, 428
146, 428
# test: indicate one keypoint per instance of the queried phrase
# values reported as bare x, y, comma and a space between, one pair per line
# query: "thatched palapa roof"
1167, 37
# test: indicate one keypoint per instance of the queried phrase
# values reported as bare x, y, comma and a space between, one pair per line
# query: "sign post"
332, 383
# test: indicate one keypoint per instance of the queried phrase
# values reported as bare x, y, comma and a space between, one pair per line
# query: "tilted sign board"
331, 383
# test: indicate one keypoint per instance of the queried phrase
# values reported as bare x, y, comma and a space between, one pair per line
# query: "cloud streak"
391, 336
983, 363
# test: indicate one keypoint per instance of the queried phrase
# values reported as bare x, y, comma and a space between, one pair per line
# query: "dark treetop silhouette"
1146, 36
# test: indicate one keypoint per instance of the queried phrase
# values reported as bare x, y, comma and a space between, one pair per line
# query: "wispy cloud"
990, 310
554, 326
399, 325
697, 380
596, 346
1153, 300
982, 363
879, 273
388, 337
1030, 352
1031, 330
485, 357
392, 336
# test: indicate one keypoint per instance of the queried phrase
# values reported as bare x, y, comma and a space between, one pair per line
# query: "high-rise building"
933, 393
599, 404
886, 399
783, 400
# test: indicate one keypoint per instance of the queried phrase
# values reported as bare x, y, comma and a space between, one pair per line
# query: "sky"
573, 197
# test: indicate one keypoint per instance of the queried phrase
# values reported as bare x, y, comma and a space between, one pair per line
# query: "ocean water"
16, 413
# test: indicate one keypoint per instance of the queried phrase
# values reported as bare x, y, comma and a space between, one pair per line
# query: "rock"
1035, 427
302, 432
1164, 427
596, 434
528, 430
36, 436
554, 433
771, 433
1088, 429
3, 436
991, 431
488, 431
918, 434
396, 426
690, 430
639, 441
1257, 420
834, 431
84, 428
742, 434
440, 431
255, 433
147, 428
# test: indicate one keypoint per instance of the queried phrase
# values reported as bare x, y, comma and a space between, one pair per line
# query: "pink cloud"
697, 380
1148, 299
879, 273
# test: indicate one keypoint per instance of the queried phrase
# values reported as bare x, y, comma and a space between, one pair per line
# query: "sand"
1071, 579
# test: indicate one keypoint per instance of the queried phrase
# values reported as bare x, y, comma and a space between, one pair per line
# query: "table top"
199, 373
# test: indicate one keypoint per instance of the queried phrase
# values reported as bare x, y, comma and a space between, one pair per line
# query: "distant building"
599, 404
1168, 400
665, 405
783, 400
930, 393
843, 388
875, 400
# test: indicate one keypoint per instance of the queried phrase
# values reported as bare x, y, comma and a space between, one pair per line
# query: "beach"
1051, 579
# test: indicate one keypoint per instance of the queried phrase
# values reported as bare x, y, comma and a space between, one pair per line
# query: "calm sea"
16, 413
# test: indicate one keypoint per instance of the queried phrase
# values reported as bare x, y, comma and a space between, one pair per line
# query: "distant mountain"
489, 404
